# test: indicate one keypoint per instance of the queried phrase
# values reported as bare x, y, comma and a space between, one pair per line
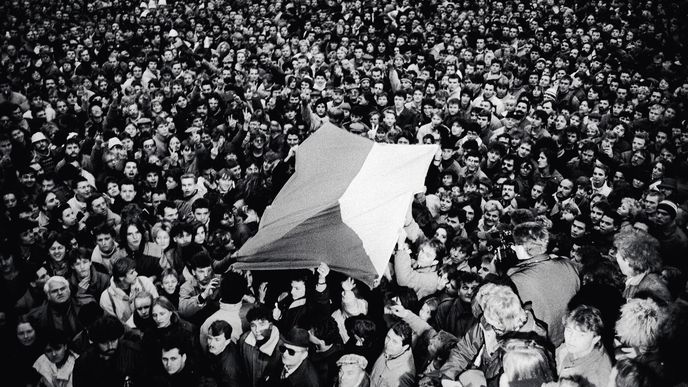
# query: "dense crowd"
141, 143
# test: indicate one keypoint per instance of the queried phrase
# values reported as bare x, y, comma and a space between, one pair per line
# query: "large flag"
344, 206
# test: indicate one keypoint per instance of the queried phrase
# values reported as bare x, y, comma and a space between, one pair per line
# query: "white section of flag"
375, 203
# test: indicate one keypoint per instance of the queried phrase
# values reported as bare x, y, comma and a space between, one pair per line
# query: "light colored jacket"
397, 371
595, 367
117, 303
422, 281
231, 313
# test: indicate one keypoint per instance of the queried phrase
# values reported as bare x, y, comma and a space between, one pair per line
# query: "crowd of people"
140, 143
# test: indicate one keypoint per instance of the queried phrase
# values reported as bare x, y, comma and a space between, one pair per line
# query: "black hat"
515, 114
297, 337
668, 183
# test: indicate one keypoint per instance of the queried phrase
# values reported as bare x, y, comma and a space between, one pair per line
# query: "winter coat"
127, 363
189, 306
399, 371
304, 376
651, 283
454, 316
549, 283
594, 368
178, 328
423, 281
258, 362
472, 349
117, 303
62, 317
225, 368
98, 283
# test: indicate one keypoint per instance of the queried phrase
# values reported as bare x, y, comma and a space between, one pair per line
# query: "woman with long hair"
167, 324
58, 246
149, 256
546, 168
25, 349
657, 171
525, 173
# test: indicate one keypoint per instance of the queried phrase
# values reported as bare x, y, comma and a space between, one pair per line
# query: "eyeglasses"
290, 351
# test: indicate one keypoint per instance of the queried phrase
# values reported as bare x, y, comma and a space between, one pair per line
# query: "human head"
219, 336
188, 184
299, 284
232, 288
352, 369
201, 267
637, 252
295, 347
55, 345
398, 339
530, 239
143, 302
105, 238
163, 312
492, 211
57, 290
106, 332
638, 325
467, 284
583, 329
173, 355
526, 361
666, 213
124, 271
503, 310
260, 320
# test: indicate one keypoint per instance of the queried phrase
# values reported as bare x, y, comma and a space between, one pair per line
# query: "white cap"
38, 136
114, 141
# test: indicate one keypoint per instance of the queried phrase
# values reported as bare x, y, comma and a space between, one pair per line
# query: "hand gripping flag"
344, 206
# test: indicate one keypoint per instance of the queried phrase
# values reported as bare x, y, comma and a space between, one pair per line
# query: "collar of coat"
269, 347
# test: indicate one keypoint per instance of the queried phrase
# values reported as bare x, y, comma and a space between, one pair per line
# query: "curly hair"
503, 309
533, 235
638, 325
634, 207
493, 205
639, 249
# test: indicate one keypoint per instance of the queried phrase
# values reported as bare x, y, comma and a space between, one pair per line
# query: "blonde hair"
634, 206
572, 208
493, 205
526, 360
639, 323
503, 309
481, 297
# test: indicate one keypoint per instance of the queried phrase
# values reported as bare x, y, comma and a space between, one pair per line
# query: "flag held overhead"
344, 206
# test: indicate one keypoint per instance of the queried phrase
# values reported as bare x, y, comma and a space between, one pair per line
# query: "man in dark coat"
548, 282
296, 369
223, 363
178, 368
111, 360
59, 311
